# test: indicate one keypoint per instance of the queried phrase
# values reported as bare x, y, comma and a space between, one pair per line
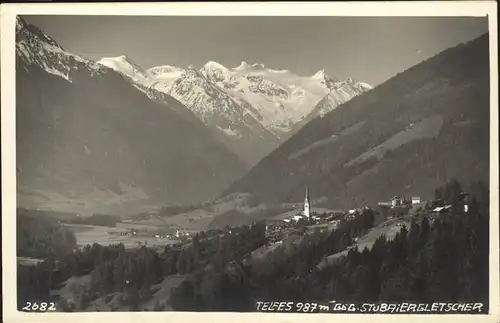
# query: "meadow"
90, 234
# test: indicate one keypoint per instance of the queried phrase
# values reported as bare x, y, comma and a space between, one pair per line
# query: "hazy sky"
370, 49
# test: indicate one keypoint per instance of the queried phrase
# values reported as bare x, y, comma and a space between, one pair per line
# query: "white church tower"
307, 204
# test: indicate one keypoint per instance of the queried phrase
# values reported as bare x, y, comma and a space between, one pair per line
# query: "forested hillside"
42, 236
434, 259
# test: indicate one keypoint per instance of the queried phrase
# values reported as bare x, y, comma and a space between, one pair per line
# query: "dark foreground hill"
424, 126
432, 259
86, 134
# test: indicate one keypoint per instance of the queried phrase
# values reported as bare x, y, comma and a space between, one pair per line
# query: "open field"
285, 215
78, 227
137, 226
216, 215
200, 219
91, 234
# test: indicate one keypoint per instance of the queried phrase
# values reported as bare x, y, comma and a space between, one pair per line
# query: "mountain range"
106, 134
89, 140
251, 108
414, 132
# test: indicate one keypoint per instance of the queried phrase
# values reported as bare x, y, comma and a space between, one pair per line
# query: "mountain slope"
85, 134
250, 108
234, 121
227, 119
406, 136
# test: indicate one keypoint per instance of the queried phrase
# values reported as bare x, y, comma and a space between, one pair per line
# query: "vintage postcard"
221, 162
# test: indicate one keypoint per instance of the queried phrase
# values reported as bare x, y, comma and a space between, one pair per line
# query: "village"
391, 216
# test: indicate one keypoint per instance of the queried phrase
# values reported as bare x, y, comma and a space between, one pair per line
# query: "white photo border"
421, 8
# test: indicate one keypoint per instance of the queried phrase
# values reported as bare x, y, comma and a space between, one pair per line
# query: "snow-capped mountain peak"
213, 65
34, 47
20, 23
319, 75
247, 101
364, 85
124, 65
165, 71
216, 72
251, 108
340, 92
243, 66
275, 98
258, 66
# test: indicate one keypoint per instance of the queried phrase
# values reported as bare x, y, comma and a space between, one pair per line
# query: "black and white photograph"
320, 163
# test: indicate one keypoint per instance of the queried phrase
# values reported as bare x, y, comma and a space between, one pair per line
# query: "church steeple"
306, 203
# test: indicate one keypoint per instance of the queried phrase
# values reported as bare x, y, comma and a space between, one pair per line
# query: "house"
442, 210
336, 213
415, 200
396, 201
350, 217
335, 224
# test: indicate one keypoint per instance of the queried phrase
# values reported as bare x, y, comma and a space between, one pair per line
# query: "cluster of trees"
35, 282
132, 272
217, 250
42, 236
111, 268
178, 209
235, 217
235, 282
217, 277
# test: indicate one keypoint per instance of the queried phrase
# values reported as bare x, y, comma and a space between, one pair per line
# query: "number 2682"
39, 307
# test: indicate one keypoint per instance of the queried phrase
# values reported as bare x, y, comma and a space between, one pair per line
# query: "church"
306, 211
307, 204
